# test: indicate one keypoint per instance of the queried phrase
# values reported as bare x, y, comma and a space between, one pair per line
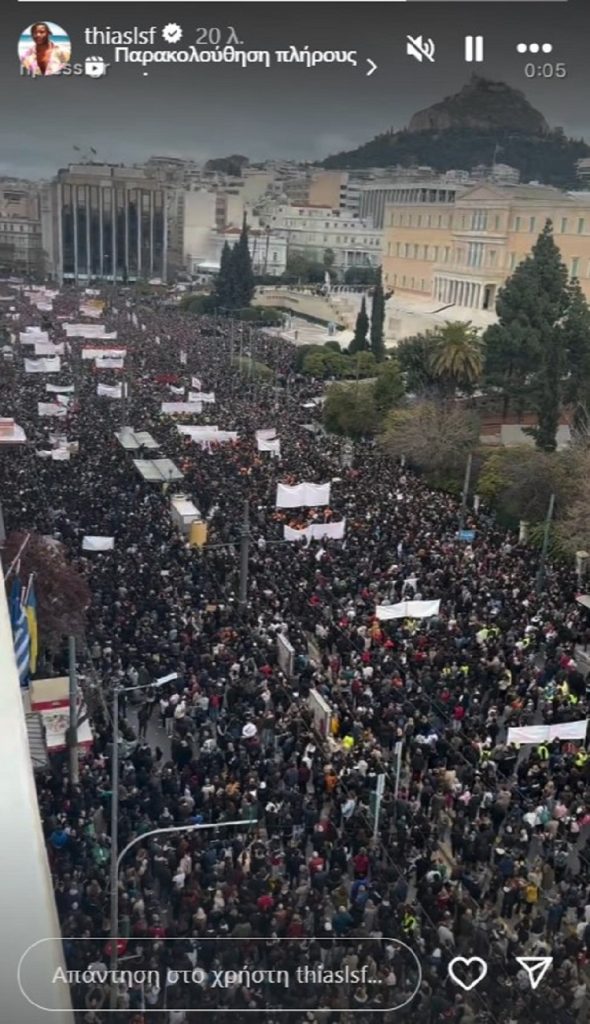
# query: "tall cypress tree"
524, 350
378, 319
242, 273
576, 340
359, 342
224, 295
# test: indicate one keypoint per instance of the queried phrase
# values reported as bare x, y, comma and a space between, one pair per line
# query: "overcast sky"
289, 111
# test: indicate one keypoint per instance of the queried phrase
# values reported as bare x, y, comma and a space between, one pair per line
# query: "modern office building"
457, 248
107, 222
21, 247
375, 196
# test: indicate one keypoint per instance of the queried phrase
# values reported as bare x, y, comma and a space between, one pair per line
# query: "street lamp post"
116, 866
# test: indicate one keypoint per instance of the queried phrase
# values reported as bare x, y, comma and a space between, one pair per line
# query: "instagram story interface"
294, 529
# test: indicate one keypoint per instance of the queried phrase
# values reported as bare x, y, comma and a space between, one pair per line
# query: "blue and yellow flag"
20, 632
31, 613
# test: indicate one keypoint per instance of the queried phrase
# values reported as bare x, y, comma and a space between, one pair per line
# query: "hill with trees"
482, 123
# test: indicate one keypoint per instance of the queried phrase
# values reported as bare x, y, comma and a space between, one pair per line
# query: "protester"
482, 849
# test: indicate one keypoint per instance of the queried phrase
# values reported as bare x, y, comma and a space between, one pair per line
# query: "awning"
159, 471
131, 440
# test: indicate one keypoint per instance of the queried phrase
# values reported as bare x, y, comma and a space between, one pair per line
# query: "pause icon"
474, 49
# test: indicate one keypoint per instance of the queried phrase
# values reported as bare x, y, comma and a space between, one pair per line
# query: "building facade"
109, 223
461, 251
316, 231
268, 250
21, 245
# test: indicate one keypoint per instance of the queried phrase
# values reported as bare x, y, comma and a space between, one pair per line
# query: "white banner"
304, 494
61, 455
47, 348
407, 610
194, 431
98, 543
207, 435
316, 531
110, 391
103, 353
50, 409
56, 389
207, 397
196, 383
48, 365
548, 733
31, 335
95, 331
109, 363
177, 391
179, 408
272, 445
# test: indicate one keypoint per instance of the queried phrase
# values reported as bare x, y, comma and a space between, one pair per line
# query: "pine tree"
242, 273
524, 350
224, 296
359, 342
378, 320
576, 340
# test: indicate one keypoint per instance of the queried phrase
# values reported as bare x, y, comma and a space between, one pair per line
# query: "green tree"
519, 480
389, 387
325, 362
576, 341
360, 275
225, 294
523, 351
457, 357
361, 364
242, 274
301, 268
415, 359
359, 342
378, 319
314, 364
350, 410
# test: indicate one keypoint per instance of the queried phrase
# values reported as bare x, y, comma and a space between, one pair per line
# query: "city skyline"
287, 112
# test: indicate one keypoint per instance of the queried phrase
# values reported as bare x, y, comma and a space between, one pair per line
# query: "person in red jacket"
361, 864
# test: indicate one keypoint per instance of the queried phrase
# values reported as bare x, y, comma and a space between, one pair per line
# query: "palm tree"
457, 356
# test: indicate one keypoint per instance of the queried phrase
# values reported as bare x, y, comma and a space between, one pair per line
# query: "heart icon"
468, 962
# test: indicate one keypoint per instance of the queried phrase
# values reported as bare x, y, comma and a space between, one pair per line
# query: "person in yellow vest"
348, 743
581, 758
543, 752
409, 923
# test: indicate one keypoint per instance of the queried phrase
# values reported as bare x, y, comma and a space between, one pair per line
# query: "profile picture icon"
44, 48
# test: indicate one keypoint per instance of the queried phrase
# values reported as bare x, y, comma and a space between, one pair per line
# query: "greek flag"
20, 633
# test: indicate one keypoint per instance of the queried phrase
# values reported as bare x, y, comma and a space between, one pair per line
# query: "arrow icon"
372, 68
536, 967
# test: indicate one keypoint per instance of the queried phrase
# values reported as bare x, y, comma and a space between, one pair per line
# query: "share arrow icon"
536, 967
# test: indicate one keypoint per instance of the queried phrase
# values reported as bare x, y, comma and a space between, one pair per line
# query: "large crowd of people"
475, 847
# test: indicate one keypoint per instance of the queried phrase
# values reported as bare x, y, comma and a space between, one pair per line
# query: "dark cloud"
285, 112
